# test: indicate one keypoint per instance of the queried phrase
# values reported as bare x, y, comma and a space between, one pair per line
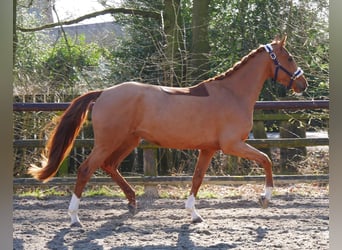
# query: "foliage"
63, 64
29, 56
137, 55
135, 60
254, 22
65, 67
235, 28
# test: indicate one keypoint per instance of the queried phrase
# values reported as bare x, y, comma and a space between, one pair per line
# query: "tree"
235, 28
174, 44
200, 49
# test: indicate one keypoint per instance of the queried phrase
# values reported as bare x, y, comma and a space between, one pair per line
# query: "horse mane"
237, 65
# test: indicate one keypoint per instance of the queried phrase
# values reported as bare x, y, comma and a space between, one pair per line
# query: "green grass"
165, 192
110, 191
40, 193
207, 194
179, 192
102, 191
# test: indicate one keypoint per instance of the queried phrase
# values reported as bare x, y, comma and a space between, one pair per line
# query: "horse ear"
283, 41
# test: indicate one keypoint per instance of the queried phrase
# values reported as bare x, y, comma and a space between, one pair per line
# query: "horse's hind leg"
203, 161
111, 167
124, 185
84, 173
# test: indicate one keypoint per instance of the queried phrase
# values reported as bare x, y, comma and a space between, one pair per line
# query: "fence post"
290, 155
259, 131
150, 170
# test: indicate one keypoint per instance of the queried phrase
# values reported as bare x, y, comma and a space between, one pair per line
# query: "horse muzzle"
300, 85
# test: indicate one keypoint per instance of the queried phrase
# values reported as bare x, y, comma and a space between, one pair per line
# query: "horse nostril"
304, 86
301, 86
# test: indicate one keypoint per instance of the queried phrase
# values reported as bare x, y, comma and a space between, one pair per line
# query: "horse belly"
179, 140
178, 130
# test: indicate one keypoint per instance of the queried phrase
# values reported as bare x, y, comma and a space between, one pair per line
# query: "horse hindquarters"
113, 143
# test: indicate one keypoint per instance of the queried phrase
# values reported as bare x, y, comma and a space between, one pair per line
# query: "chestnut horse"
216, 114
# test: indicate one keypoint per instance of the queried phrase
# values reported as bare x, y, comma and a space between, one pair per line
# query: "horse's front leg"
203, 161
241, 149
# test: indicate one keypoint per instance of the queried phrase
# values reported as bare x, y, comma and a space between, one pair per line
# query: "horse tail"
62, 137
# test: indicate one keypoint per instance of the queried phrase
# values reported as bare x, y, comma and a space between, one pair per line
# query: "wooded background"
162, 42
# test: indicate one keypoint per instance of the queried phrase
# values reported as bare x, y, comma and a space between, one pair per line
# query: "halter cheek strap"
294, 76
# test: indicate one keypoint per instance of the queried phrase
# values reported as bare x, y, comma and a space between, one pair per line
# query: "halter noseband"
294, 76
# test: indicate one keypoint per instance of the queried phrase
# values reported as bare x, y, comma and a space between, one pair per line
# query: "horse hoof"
132, 209
197, 219
76, 224
263, 201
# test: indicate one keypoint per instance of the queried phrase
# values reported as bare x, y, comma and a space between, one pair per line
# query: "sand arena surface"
291, 222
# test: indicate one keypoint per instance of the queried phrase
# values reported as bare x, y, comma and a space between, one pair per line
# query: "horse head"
284, 66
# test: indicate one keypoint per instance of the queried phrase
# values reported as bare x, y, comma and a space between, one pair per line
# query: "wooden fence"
179, 180
150, 174
263, 105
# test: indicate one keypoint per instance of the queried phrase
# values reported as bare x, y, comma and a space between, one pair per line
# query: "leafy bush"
66, 61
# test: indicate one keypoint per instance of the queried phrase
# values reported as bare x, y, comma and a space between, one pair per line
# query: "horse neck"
246, 83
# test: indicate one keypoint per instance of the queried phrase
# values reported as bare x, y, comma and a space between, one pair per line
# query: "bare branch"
143, 13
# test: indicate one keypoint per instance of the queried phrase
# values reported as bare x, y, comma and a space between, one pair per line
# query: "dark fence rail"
179, 180
314, 104
258, 143
264, 105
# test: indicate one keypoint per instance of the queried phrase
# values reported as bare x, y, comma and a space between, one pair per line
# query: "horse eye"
290, 59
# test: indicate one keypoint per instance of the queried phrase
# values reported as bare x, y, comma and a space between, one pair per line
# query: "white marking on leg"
190, 203
73, 209
190, 206
268, 193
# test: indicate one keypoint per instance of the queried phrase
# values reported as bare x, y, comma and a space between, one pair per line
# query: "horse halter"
294, 76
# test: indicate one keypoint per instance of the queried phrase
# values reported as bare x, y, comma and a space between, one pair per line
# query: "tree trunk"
199, 65
174, 67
